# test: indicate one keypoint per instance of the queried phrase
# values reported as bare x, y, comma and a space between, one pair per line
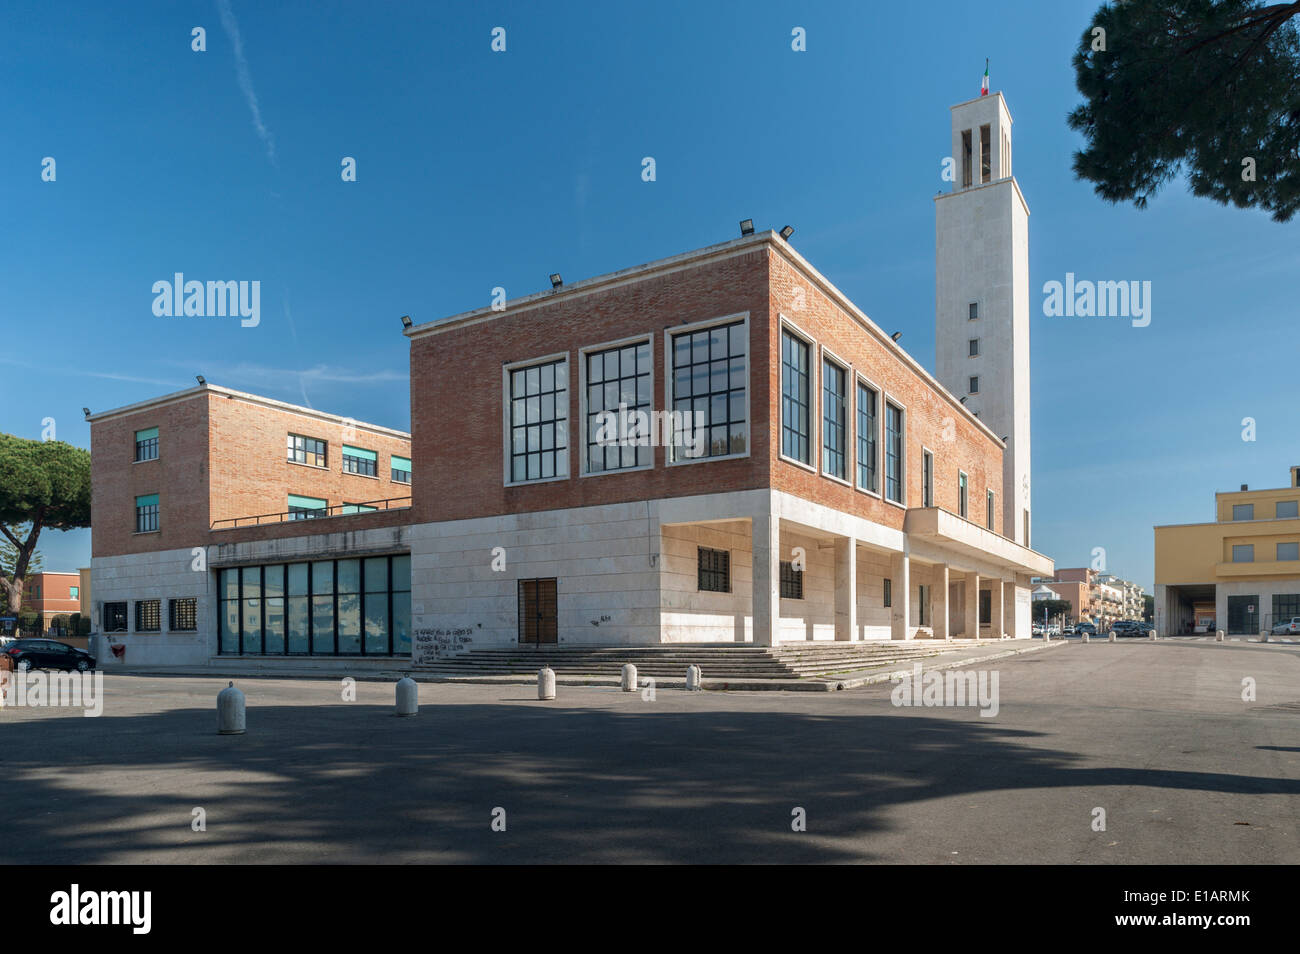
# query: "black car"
47, 654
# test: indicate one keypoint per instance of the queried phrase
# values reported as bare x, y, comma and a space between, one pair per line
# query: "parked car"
1287, 627
28, 653
1126, 627
1081, 628
1069, 629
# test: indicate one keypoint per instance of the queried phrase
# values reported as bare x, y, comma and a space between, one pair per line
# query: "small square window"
714, 570
1288, 551
1243, 511
974, 345
974, 384
148, 616
1243, 553
1286, 509
182, 615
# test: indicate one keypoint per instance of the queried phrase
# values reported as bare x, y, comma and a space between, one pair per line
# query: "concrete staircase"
726, 661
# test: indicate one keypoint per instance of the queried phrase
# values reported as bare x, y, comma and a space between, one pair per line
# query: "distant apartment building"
1239, 572
1094, 597
53, 597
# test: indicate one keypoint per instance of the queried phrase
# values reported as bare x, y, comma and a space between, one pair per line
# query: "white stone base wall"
1264, 589
164, 575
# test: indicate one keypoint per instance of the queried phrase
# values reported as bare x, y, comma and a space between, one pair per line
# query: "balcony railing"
338, 510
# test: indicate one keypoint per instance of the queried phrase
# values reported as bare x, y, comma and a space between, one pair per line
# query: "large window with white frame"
867, 461
618, 383
893, 452
709, 387
796, 398
834, 420
539, 421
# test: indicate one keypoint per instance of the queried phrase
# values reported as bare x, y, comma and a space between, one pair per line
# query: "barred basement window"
115, 617
359, 461
182, 615
714, 572
306, 450
148, 616
791, 582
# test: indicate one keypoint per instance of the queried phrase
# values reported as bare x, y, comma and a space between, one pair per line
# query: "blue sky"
477, 169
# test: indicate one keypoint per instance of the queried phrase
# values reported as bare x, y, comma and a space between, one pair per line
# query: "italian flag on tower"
984, 84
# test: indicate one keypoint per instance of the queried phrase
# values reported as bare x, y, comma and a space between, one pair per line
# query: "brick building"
816, 483
53, 597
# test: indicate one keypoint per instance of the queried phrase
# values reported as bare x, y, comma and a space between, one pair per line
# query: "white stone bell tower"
982, 297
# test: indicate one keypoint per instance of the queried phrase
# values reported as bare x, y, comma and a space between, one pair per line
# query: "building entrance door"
538, 612
1243, 614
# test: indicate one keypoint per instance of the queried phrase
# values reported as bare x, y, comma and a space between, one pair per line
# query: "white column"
1009, 615
997, 625
846, 586
766, 529
971, 597
900, 614
939, 600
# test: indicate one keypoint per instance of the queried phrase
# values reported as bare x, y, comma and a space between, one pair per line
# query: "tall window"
889, 592
791, 582
866, 438
714, 570
963, 497
966, 159
989, 519
972, 311
146, 444
618, 381
796, 399
927, 479
146, 513
539, 421
306, 450
834, 421
923, 605
400, 469
986, 147
709, 382
893, 452
973, 346
304, 508
974, 383
359, 461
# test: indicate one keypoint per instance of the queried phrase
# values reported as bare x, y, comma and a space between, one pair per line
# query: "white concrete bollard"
546, 683
1218, 637
1110, 639
408, 696
694, 678
230, 711
1151, 634
629, 678
1263, 635
1084, 637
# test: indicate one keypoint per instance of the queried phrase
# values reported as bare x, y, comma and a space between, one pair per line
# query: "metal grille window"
963, 495
148, 616
889, 592
710, 381
304, 508
834, 421
306, 450
866, 438
115, 617
539, 421
791, 582
714, 570
796, 396
401, 470
1286, 606
183, 615
359, 461
893, 453
146, 513
146, 444
618, 383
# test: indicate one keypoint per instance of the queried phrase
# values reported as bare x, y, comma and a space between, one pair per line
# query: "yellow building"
1240, 573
